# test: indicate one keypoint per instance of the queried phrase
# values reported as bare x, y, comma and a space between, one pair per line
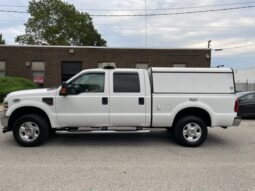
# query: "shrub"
10, 84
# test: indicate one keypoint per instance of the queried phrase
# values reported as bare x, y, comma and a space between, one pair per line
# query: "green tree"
2, 41
54, 22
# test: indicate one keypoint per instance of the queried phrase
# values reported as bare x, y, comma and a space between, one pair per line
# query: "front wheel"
30, 130
190, 131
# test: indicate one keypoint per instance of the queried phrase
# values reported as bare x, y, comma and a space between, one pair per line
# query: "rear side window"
249, 97
126, 82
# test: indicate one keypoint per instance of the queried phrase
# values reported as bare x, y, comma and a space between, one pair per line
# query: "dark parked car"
246, 104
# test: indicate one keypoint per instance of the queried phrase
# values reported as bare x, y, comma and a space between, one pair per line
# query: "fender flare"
187, 105
41, 106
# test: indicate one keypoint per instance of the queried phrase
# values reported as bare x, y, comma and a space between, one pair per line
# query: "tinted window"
126, 82
93, 82
249, 97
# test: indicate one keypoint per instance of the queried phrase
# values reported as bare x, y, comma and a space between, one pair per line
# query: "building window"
38, 72
100, 65
179, 65
126, 82
142, 66
2, 68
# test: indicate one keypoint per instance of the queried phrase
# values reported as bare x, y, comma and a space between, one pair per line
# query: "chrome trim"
29, 131
102, 131
192, 132
237, 121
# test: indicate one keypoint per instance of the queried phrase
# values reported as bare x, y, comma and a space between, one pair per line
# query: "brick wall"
16, 58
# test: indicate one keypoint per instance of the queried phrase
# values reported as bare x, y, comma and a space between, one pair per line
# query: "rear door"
127, 98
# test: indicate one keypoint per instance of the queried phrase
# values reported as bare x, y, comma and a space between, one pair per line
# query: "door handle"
104, 100
141, 100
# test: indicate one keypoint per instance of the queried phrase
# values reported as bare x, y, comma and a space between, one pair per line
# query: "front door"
127, 98
86, 104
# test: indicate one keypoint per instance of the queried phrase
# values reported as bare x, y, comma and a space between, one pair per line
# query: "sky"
226, 29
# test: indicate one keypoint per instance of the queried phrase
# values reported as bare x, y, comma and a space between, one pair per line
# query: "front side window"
93, 82
126, 82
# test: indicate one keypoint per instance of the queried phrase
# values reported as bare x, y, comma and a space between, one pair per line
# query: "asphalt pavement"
120, 162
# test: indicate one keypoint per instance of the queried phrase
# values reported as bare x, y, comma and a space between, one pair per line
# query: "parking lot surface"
104, 162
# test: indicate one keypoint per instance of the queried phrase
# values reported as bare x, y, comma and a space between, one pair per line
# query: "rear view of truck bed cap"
197, 70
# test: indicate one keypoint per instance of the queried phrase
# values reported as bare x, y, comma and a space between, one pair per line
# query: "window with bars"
38, 72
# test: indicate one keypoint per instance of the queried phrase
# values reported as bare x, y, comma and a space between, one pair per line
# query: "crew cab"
184, 100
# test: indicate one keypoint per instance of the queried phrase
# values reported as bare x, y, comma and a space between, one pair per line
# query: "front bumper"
4, 122
237, 121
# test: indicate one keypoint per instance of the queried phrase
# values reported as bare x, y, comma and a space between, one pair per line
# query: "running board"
101, 131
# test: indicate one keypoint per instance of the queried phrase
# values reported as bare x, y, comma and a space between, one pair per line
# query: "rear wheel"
190, 131
30, 130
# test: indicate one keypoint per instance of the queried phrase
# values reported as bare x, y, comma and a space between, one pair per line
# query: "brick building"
49, 65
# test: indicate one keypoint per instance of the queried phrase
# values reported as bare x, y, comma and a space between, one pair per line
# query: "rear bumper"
237, 121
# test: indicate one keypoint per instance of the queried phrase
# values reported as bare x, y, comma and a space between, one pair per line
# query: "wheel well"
201, 113
24, 111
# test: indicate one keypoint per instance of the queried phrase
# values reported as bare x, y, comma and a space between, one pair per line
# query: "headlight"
5, 106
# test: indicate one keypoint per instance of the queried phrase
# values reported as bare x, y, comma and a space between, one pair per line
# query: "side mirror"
63, 90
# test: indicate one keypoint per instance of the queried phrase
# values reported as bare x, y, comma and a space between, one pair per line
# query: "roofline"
190, 70
101, 47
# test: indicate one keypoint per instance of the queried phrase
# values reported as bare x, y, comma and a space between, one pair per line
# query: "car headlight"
5, 106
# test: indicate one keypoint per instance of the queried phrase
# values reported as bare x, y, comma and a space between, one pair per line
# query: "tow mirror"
63, 90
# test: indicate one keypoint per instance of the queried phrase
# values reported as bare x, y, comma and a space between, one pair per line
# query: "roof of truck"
186, 70
166, 70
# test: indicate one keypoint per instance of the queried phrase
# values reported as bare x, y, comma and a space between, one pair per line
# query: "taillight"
236, 106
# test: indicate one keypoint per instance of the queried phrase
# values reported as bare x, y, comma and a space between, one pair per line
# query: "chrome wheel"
192, 132
29, 131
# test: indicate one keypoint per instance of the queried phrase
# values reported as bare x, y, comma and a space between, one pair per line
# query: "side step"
101, 131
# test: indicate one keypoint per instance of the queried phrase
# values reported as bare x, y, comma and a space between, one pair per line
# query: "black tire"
190, 121
41, 123
170, 129
52, 133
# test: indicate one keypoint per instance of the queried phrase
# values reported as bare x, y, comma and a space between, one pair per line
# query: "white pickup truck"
183, 100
